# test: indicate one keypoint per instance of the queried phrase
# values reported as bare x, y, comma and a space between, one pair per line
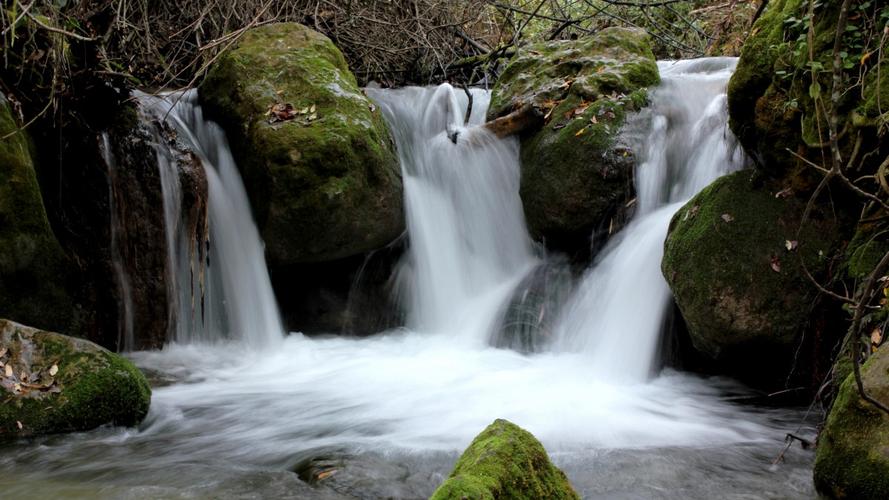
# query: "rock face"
852, 460
56, 384
33, 268
505, 461
324, 181
772, 94
732, 258
576, 173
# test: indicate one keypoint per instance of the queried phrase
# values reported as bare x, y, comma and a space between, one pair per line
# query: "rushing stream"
246, 412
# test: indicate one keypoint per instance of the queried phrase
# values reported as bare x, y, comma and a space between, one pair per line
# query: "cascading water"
468, 241
391, 412
222, 291
617, 314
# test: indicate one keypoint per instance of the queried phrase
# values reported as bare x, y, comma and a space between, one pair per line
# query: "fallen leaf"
784, 193
580, 132
876, 336
312, 109
53, 370
280, 112
776, 264
8, 371
727, 217
326, 474
690, 213
19, 424
594, 120
3, 351
313, 116
791, 245
372, 107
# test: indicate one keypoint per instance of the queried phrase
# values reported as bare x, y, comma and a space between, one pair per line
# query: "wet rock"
576, 171
52, 383
505, 461
852, 458
317, 158
531, 314
733, 257
34, 270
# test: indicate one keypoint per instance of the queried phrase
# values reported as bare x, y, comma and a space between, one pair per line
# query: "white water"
406, 393
468, 241
617, 314
238, 302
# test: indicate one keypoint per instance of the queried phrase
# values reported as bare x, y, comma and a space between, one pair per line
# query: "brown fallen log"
528, 118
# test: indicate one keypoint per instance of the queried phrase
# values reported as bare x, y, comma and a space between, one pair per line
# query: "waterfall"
220, 286
683, 141
126, 339
468, 242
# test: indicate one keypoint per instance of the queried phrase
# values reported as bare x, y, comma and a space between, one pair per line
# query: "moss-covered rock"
733, 260
325, 184
505, 461
57, 383
33, 267
576, 173
781, 75
852, 459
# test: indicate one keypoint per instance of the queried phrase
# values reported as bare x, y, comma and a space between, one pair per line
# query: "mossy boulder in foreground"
732, 259
505, 461
323, 178
576, 173
52, 383
33, 267
852, 460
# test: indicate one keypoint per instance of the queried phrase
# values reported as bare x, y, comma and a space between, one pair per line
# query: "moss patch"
575, 173
321, 189
852, 460
739, 288
505, 461
33, 267
92, 386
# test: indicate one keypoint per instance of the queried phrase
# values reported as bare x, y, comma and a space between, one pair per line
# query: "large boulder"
852, 459
505, 461
320, 169
733, 258
576, 172
33, 268
52, 383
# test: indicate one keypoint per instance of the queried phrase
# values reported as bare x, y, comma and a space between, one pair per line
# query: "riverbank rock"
772, 94
52, 383
33, 267
732, 258
852, 459
576, 172
317, 158
505, 461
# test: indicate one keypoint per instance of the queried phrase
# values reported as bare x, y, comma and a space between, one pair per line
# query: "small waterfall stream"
391, 412
223, 290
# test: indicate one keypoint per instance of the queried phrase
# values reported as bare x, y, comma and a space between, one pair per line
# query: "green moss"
720, 257
867, 247
95, 386
33, 266
852, 459
575, 173
505, 461
321, 188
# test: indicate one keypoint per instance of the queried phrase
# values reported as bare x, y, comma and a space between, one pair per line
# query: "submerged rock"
732, 258
34, 270
52, 383
576, 172
505, 461
316, 156
852, 459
